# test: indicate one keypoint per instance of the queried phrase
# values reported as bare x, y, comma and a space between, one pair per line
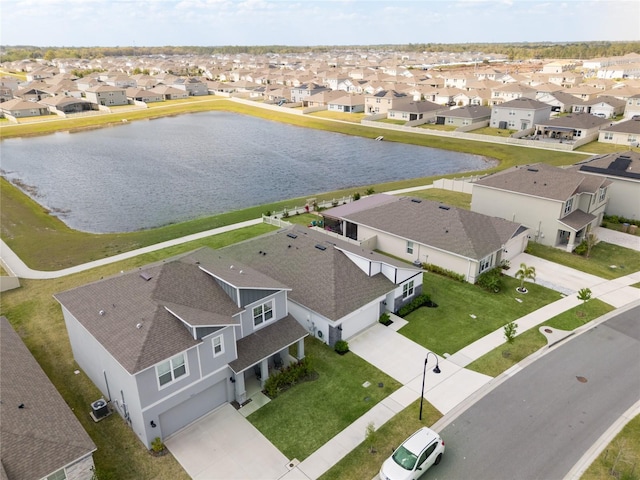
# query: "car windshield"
404, 458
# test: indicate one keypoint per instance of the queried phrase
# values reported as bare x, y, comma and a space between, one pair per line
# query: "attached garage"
190, 410
364, 318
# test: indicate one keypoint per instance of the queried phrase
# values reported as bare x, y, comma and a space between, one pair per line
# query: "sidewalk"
455, 388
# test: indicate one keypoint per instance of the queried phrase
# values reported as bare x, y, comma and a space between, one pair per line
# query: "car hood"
392, 471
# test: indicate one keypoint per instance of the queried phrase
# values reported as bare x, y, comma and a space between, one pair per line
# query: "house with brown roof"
415, 112
622, 133
560, 206
41, 437
351, 103
622, 169
170, 342
427, 232
18, 108
383, 100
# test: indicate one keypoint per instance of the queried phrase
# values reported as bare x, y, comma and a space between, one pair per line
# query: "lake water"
146, 174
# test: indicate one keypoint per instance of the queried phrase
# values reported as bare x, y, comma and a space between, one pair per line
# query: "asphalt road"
539, 423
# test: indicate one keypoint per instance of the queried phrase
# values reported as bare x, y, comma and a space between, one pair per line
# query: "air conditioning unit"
100, 408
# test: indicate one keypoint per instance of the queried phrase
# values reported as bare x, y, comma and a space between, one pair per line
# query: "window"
603, 194
59, 475
171, 370
262, 313
608, 136
407, 289
409, 247
485, 263
568, 206
218, 345
632, 138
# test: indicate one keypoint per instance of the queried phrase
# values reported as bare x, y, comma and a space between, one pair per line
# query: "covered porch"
263, 352
573, 229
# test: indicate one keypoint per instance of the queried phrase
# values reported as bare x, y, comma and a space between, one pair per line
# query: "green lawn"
455, 199
450, 327
606, 260
621, 457
364, 463
304, 418
507, 355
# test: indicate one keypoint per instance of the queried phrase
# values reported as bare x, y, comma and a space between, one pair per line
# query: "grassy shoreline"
25, 225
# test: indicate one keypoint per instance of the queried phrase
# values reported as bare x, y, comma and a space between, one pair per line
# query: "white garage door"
190, 410
360, 321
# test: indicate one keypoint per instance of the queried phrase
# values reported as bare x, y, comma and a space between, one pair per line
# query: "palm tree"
525, 273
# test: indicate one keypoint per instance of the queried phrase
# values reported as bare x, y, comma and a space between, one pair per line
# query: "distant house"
465, 116
511, 91
169, 93
411, 111
107, 95
383, 101
603, 106
560, 206
353, 103
193, 86
140, 95
324, 98
622, 133
66, 104
571, 127
301, 93
632, 107
622, 169
519, 114
423, 231
19, 108
41, 437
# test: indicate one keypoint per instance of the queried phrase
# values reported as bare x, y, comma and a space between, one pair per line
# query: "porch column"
241, 391
264, 371
571, 242
300, 354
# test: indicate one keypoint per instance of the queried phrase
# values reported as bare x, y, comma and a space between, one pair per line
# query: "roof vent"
416, 200
532, 169
443, 207
139, 325
321, 247
145, 276
101, 312
292, 235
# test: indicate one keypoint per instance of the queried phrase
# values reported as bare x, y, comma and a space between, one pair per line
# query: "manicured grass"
507, 355
302, 419
599, 148
37, 318
606, 260
433, 126
621, 457
455, 199
362, 463
495, 132
449, 327
345, 117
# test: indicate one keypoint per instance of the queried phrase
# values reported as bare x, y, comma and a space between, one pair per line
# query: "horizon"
318, 23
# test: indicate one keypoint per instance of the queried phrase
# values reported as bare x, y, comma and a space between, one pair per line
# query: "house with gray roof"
170, 342
415, 112
107, 95
427, 232
560, 206
475, 116
622, 133
519, 114
575, 126
41, 437
622, 169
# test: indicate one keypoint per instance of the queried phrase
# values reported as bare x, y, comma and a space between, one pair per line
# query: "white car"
414, 457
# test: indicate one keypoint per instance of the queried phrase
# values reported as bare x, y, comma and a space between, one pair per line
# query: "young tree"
370, 437
590, 241
510, 330
525, 273
584, 294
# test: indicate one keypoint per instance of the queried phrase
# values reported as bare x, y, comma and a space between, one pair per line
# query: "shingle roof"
577, 120
630, 126
577, 219
324, 280
470, 234
45, 435
540, 180
470, 111
618, 164
523, 102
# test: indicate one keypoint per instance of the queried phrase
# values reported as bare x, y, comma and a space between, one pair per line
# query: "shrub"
267, 213
341, 346
157, 445
287, 377
430, 267
369, 191
384, 318
416, 303
581, 249
356, 196
490, 280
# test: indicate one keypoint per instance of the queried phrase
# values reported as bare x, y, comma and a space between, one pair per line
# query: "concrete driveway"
224, 445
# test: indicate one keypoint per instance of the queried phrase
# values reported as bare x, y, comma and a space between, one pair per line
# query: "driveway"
224, 445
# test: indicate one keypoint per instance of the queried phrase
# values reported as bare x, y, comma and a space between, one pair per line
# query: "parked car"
414, 456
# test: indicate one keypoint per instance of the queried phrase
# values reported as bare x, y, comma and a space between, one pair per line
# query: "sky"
110, 23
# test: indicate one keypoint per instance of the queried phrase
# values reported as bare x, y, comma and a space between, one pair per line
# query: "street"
538, 423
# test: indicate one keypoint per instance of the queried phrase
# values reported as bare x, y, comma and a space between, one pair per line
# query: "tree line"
514, 51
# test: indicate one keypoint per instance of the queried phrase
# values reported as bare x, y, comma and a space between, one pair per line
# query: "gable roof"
456, 230
322, 279
469, 111
577, 120
524, 103
629, 126
45, 435
541, 180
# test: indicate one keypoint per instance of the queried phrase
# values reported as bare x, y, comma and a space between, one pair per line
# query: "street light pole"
424, 374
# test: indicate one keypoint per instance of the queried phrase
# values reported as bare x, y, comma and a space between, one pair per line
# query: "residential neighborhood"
197, 347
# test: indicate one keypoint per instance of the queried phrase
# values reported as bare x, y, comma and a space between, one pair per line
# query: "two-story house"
384, 100
519, 114
560, 206
107, 95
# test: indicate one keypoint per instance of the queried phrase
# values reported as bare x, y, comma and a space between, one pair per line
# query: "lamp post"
424, 373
